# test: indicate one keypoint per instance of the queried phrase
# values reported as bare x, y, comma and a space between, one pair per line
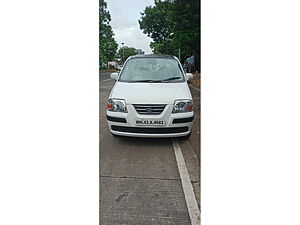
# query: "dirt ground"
107, 71
196, 81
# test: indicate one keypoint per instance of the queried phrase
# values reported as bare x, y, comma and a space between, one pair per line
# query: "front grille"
149, 109
146, 130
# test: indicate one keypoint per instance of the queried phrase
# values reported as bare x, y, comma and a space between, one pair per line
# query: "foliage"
103, 67
186, 15
125, 52
156, 23
173, 25
107, 44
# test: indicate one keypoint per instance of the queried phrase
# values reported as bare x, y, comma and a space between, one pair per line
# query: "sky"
124, 21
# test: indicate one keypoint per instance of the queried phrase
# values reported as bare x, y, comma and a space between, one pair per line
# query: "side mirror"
189, 76
114, 76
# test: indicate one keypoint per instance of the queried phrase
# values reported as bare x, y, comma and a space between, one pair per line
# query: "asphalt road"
139, 178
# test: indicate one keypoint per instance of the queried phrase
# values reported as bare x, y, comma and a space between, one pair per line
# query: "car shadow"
144, 141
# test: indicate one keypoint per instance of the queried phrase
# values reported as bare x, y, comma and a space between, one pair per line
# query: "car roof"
152, 56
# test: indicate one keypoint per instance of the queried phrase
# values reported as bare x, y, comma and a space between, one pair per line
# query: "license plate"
150, 122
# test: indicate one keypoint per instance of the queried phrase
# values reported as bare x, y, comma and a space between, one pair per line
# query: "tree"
186, 27
107, 44
125, 52
156, 23
174, 25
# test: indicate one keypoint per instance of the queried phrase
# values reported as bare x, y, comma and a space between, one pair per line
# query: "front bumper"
124, 124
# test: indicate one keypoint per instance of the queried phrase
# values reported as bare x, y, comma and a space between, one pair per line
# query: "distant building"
139, 51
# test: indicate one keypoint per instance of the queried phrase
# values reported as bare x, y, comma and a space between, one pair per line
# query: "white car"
150, 98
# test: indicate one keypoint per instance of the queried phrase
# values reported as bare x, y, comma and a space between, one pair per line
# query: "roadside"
107, 71
196, 81
194, 139
191, 147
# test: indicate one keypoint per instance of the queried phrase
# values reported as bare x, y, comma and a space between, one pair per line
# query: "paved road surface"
139, 178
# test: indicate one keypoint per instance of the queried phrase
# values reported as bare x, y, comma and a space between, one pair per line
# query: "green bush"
102, 67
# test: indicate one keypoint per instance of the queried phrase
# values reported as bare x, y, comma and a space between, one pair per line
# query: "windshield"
152, 70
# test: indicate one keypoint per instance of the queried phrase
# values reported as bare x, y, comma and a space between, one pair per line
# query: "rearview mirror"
114, 76
189, 76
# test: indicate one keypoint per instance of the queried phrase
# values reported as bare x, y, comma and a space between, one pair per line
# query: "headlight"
116, 105
181, 106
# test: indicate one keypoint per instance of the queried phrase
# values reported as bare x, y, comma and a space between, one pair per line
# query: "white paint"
188, 190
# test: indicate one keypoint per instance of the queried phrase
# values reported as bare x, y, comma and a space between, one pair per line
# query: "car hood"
150, 93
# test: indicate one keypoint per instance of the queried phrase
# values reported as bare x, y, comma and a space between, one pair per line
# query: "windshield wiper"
136, 81
156, 81
171, 78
